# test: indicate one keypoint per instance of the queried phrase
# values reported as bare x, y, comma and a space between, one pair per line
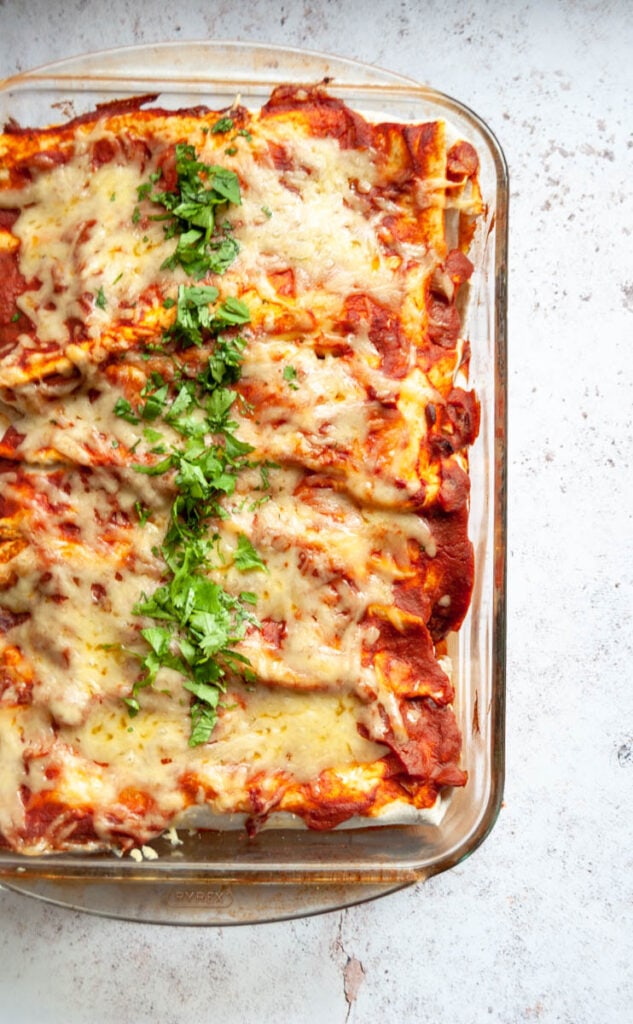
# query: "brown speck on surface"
353, 977
353, 971
627, 291
534, 1012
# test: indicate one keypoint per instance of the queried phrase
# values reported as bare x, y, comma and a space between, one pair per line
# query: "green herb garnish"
124, 410
196, 622
246, 557
202, 191
290, 375
225, 124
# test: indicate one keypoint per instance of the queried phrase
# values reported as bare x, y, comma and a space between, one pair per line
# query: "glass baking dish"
224, 877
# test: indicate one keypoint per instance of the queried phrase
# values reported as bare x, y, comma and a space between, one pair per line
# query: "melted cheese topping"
78, 239
313, 207
336, 265
328, 563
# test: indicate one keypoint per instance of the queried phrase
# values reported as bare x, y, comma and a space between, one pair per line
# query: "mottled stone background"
538, 924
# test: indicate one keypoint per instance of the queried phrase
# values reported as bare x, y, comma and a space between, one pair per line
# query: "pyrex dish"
224, 877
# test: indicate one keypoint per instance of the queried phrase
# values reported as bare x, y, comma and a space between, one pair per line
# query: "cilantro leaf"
202, 189
124, 411
232, 311
246, 556
155, 403
221, 254
290, 375
158, 638
195, 321
226, 183
224, 124
203, 720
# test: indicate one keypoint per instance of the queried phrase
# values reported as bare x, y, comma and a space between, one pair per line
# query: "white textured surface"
538, 924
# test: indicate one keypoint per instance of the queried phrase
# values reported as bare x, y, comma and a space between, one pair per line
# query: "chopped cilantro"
151, 435
225, 124
156, 380
157, 469
224, 363
194, 317
246, 556
15, 317
232, 311
124, 410
264, 468
199, 623
202, 189
196, 622
100, 299
155, 403
290, 375
142, 512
